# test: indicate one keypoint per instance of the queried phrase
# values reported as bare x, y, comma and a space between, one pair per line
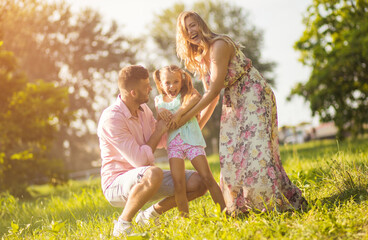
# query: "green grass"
332, 176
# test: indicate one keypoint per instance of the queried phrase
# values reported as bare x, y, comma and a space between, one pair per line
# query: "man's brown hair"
130, 76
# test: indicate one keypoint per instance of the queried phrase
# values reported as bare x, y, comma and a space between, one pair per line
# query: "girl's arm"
162, 113
220, 55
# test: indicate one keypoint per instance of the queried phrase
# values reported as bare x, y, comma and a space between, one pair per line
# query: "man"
129, 134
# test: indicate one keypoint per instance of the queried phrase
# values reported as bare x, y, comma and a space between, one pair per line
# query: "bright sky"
281, 22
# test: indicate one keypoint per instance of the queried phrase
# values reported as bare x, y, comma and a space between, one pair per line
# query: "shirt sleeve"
117, 133
153, 122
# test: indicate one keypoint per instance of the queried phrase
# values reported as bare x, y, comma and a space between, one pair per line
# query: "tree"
76, 50
335, 45
222, 18
30, 114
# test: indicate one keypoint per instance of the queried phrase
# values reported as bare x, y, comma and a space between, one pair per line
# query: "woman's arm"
220, 55
185, 107
207, 112
193, 100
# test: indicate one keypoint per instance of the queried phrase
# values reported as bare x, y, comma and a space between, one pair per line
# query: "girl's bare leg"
200, 163
177, 168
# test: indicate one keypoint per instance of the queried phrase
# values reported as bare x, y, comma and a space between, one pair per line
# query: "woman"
252, 176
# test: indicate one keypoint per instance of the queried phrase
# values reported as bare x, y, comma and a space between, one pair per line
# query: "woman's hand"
165, 114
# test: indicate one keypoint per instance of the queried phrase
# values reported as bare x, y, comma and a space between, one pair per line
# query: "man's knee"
180, 185
208, 180
196, 184
153, 175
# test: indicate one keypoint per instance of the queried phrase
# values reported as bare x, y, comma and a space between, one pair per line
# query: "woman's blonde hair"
187, 51
186, 81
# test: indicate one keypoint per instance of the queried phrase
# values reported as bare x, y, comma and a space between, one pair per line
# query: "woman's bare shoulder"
220, 42
221, 46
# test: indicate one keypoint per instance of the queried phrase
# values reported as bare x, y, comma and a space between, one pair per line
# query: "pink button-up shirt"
123, 139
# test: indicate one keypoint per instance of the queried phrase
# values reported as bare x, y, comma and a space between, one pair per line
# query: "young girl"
177, 96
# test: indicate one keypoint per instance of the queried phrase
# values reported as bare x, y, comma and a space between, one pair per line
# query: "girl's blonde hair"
186, 81
192, 54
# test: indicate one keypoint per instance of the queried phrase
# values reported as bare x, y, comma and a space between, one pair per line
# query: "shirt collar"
125, 110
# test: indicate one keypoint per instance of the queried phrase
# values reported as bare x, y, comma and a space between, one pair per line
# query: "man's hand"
165, 114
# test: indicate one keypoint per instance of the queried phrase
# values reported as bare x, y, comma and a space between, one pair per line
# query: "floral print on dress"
252, 176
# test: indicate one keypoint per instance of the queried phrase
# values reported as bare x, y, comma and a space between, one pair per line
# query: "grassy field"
332, 176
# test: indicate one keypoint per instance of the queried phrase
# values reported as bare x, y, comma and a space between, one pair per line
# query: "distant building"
305, 132
294, 134
325, 130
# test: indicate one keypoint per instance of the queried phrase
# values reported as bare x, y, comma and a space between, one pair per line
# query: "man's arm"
156, 125
156, 136
116, 132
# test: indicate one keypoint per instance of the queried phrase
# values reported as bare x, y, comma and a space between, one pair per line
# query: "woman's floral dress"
252, 176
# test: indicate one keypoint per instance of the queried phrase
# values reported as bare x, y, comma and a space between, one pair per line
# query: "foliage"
79, 51
79, 210
30, 114
223, 18
335, 44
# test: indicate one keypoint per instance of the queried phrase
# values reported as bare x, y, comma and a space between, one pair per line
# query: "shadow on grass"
62, 190
322, 148
73, 217
317, 175
357, 194
81, 202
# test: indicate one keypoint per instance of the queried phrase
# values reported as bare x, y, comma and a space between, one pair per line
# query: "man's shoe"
121, 228
143, 218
